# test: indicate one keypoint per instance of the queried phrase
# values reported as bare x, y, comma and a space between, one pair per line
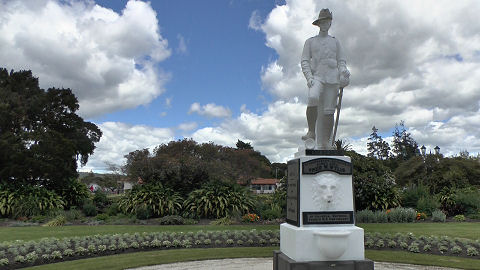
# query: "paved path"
265, 264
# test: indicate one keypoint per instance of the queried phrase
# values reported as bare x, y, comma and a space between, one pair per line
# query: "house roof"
265, 181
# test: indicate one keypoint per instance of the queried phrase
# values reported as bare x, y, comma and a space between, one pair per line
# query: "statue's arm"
341, 60
305, 62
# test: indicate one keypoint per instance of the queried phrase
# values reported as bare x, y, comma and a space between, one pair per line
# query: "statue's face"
325, 25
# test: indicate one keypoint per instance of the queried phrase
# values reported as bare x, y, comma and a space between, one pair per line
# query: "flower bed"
440, 245
19, 254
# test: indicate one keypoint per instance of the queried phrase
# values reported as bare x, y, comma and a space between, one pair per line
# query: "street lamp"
424, 150
437, 150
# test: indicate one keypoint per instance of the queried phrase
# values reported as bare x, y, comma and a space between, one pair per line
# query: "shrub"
402, 215
158, 199
427, 247
100, 199
365, 216
216, 200
73, 193
438, 216
442, 248
4, 262
57, 221
471, 251
89, 209
112, 210
381, 217
272, 213
73, 214
412, 194
171, 220
421, 216
142, 212
467, 200
250, 218
414, 247
103, 217
456, 249
222, 221
427, 204
28, 201
459, 218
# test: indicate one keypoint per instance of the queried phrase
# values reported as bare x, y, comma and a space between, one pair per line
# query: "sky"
147, 73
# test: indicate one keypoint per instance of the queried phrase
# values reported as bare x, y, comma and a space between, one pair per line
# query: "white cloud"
182, 45
187, 126
210, 110
107, 59
255, 21
119, 139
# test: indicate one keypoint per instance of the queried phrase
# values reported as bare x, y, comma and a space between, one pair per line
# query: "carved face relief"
325, 25
325, 190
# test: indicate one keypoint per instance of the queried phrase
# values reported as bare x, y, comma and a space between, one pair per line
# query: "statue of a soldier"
324, 66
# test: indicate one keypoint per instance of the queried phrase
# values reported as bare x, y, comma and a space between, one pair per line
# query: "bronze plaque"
315, 166
293, 192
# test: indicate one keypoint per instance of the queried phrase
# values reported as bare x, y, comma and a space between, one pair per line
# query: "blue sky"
217, 71
220, 63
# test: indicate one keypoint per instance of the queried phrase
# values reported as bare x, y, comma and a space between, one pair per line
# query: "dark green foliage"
100, 199
171, 220
28, 201
467, 200
404, 146
427, 204
411, 194
112, 210
217, 200
73, 193
156, 198
41, 136
89, 208
374, 184
377, 147
243, 145
186, 165
143, 212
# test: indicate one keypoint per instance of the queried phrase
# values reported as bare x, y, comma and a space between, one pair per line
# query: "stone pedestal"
320, 232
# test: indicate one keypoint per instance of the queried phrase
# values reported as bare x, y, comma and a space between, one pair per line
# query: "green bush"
171, 220
73, 193
459, 218
73, 214
365, 216
159, 200
412, 194
402, 215
89, 209
112, 210
467, 200
100, 199
381, 217
57, 221
216, 200
28, 201
438, 216
427, 204
143, 212
272, 213
103, 217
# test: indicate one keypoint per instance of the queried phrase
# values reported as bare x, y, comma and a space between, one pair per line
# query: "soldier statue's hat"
324, 14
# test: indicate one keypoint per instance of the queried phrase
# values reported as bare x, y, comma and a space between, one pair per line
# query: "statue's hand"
310, 82
344, 72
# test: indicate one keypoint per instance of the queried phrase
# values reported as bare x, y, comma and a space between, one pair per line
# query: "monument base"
283, 262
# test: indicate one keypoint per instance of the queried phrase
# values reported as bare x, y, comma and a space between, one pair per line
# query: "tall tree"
404, 146
41, 136
377, 147
243, 145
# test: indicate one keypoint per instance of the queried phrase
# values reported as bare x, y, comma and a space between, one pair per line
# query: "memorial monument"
320, 231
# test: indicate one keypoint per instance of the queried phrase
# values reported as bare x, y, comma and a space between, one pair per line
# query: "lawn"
38, 232
122, 261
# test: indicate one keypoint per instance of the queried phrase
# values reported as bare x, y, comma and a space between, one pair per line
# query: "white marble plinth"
322, 243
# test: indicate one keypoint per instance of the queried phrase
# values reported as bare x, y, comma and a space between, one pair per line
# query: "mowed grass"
470, 230
38, 232
138, 259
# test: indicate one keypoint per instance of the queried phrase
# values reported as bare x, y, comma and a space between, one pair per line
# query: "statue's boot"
325, 140
311, 121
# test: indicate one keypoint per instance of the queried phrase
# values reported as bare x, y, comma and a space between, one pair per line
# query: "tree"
243, 145
186, 165
41, 136
404, 146
377, 147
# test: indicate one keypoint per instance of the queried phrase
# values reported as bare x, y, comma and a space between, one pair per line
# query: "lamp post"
423, 149
437, 150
